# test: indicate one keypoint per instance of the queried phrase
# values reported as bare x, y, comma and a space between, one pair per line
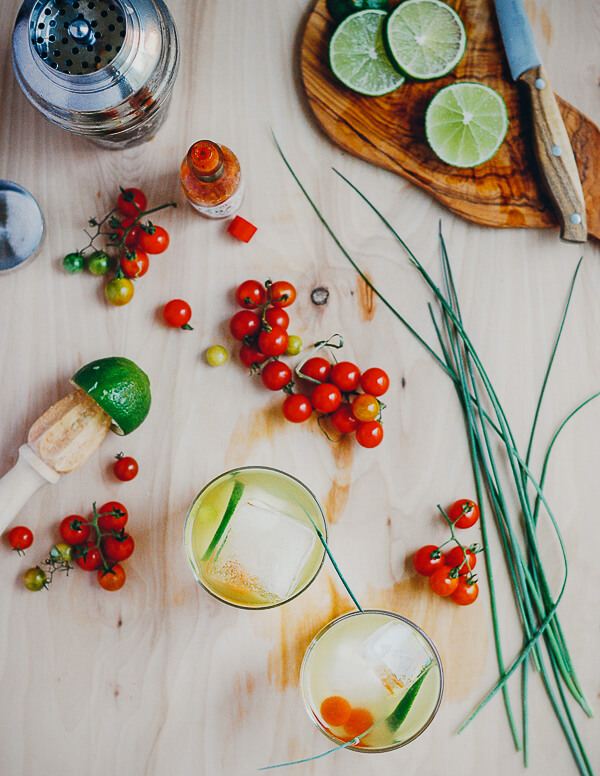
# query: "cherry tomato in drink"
250, 294
365, 407
343, 419
90, 559
119, 291
125, 468
463, 513
98, 263
249, 355
133, 235
442, 582
74, 529
112, 516
157, 242
117, 547
241, 229
297, 408
335, 711
345, 375
456, 558
274, 342
283, 294
177, 313
135, 264
369, 433
316, 368
466, 592
275, 375
374, 381
132, 202
113, 579
429, 558
244, 324
326, 397
359, 721
20, 538
34, 579
276, 316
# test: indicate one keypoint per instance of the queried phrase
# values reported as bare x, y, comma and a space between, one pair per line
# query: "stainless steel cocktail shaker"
99, 68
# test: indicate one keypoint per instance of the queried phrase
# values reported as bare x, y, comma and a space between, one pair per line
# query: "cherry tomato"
428, 558
250, 294
177, 313
463, 513
73, 262
335, 711
456, 558
91, 559
125, 468
249, 355
345, 375
343, 419
243, 324
316, 368
441, 581
374, 381
74, 529
133, 235
274, 342
135, 264
294, 345
112, 580
119, 291
157, 242
34, 579
112, 516
20, 538
283, 294
132, 202
275, 316
326, 397
216, 355
365, 407
466, 592
359, 721
117, 547
98, 263
62, 551
297, 408
369, 434
241, 229
275, 375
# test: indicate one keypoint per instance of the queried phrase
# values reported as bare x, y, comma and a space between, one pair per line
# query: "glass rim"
336, 621
260, 469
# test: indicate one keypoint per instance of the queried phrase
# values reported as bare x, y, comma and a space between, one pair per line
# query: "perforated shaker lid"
21, 226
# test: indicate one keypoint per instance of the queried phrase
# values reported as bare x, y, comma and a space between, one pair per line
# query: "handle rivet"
556, 150
575, 218
540, 83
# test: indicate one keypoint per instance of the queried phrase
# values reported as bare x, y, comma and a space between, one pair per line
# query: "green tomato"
217, 355
294, 345
34, 579
119, 291
73, 263
98, 263
62, 551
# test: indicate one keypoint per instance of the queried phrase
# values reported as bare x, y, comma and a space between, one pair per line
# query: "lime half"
120, 387
358, 57
425, 38
466, 123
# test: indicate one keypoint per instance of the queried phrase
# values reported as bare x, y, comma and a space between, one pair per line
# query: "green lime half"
466, 123
358, 57
425, 38
120, 387
339, 9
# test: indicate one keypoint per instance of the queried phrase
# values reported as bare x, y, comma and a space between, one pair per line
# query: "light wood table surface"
160, 679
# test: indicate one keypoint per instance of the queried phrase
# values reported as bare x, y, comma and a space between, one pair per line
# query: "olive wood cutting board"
389, 131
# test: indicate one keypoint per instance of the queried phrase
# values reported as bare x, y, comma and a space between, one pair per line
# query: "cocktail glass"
251, 538
373, 678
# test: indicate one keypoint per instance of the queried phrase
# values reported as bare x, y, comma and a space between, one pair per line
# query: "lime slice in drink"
358, 57
425, 38
465, 124
339, 9
120, 387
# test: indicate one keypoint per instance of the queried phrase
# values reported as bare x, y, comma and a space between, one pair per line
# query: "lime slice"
358, 57
339, 9
466, 123
425, 38
120, 387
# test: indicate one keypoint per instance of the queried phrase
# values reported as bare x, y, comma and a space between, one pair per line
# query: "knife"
553, 151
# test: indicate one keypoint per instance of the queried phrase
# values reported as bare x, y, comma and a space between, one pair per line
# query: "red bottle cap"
206, 161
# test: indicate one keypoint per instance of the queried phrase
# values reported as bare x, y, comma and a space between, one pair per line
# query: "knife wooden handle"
21, 482
555, 156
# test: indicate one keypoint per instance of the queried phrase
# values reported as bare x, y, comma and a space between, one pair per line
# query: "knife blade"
552, 145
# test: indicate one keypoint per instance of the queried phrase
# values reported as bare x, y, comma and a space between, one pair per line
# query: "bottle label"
224, 209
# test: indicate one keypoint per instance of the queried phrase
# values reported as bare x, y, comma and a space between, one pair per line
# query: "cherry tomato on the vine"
243, 324
20, 538
369, 433
34, 579
466, 592
249, 355
456, 558
133, 235
135, 264
274, 342
91, 559
250, 294
117, 547
365, 407
343, 419
297, 408
177, 313
283, 294
112, 516
119, 291
113, 579
125, 468
375, 381
131, 202
74, 529
326, 397
345, 375
429, 558
442, 582
275, 375
276, 316
463, 513
157, 242
98, 263
316, 368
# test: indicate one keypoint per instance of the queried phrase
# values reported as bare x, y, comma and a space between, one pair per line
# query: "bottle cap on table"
21, 226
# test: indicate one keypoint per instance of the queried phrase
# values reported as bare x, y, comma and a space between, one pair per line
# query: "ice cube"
396, 654
263, 551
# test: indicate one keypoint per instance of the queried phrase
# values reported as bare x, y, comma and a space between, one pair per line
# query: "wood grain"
506, 191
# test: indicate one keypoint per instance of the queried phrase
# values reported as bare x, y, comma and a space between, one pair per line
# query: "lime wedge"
339, 9
358, 57
426, 38
466, 123
120, 387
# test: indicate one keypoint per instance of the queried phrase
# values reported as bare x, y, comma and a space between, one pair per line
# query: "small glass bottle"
212, 179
